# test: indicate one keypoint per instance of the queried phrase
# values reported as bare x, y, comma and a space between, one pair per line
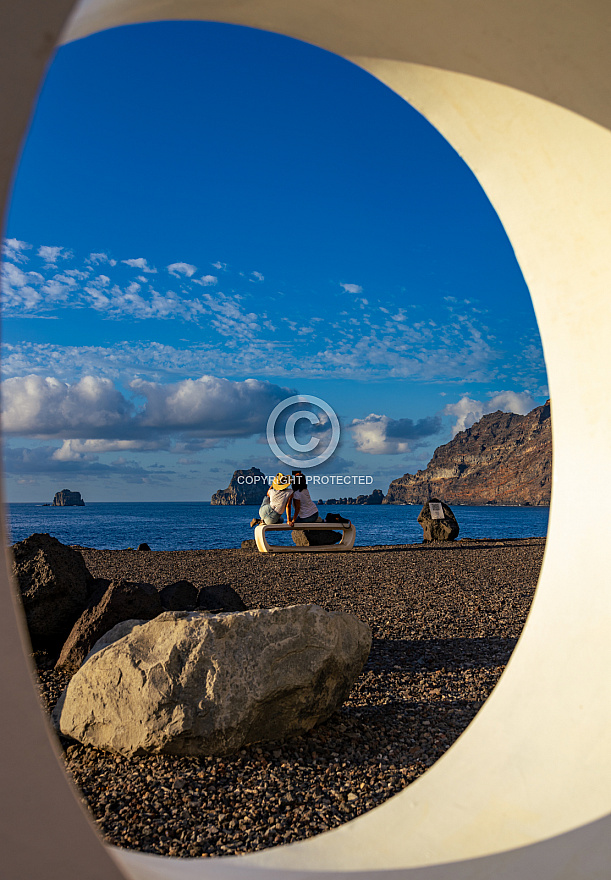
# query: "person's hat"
281, 482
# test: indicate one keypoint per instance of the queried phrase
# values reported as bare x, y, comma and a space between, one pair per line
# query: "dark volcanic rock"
181, 596
445, 529
502, 459
245, 487
54, 584
143, 547
219, 597
122, 600
315, 538
66, 498
97, 587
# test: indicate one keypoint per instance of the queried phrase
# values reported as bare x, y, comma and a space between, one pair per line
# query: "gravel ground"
445, 619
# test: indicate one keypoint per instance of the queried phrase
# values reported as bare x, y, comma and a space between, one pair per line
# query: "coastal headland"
445, 619
504, 458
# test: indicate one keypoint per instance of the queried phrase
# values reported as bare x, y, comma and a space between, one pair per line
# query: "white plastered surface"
527, 786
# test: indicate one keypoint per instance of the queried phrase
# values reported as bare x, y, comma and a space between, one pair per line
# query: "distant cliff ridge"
245, 487
66, 498
502, 459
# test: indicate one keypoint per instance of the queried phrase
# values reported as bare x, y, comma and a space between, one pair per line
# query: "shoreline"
445, 619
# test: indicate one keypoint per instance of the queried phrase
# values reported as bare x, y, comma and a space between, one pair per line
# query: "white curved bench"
347, 542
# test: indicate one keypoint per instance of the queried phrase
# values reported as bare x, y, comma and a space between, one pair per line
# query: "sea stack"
245, 487
66, 498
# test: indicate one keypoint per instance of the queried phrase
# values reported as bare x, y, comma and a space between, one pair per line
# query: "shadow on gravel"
407, 655
453, 547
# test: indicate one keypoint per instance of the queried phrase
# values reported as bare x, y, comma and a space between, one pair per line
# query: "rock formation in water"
66, 498
245, 487
376, 497
502, 459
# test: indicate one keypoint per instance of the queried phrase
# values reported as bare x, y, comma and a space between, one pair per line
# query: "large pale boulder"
190, 683
54, 584
119, 600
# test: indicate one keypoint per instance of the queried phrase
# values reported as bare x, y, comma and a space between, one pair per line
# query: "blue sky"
208, 219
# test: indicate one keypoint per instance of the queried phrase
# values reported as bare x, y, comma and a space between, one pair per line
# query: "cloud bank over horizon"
203, 410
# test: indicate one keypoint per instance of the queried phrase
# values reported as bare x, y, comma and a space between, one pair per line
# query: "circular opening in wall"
218, 221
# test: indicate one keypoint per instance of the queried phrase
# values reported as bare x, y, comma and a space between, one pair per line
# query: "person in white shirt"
305, 509
276, 501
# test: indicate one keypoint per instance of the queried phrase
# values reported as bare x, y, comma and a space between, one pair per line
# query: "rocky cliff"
66, 498
245, 487
502, 459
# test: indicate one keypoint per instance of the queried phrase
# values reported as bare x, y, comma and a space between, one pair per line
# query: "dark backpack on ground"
335, 518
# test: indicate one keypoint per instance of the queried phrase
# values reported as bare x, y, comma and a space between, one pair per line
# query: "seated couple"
284, 494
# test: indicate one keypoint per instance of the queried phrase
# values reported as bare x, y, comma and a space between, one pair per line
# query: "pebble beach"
445, 619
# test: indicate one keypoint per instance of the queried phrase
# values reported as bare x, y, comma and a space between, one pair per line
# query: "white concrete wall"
523, 92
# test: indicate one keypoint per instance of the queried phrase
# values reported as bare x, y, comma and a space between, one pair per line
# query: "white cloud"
219, 265
140, 263
81, 450
13, 249
257, 276
45, 407
520, 402
53, 254
230, 319
468, 411
95, 259
211, 406
79, 274
151, 360
352, 288
93, 416
381, 435
178, 269
121, 303
19, 288
100, 280
57, 291
208, 280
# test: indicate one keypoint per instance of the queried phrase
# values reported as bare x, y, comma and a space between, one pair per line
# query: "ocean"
200, 525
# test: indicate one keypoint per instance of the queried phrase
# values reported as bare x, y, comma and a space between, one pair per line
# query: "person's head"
281, 482
299, 481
